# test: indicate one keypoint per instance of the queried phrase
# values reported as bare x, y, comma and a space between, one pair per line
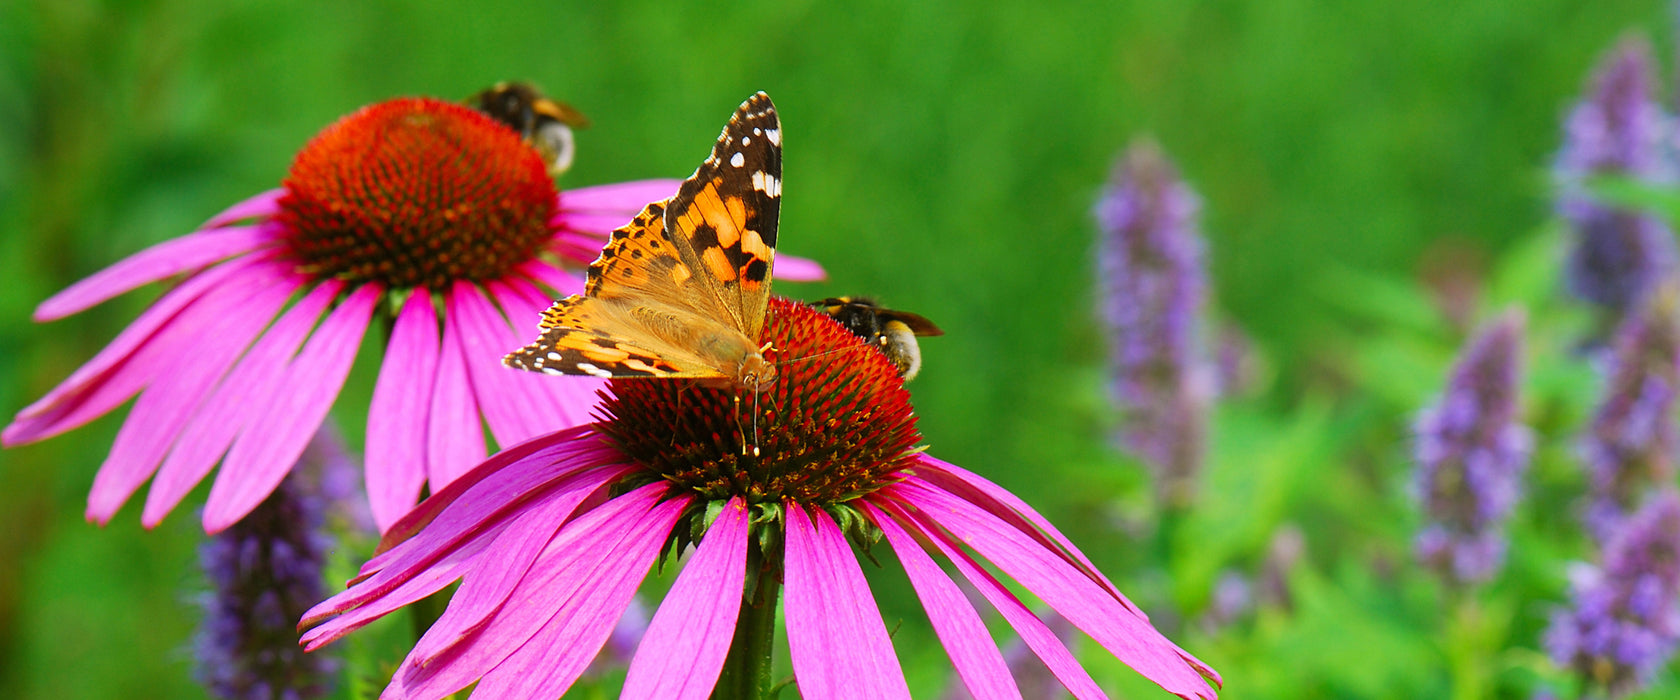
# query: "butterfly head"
757, 373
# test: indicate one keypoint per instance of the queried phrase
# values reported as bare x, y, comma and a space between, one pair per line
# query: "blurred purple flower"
1623, 623
1152, 286
1630, 444
1618, 129
1471, 453
265, 571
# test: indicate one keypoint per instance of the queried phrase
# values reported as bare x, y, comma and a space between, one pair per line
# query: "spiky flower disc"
417, 191
836, 424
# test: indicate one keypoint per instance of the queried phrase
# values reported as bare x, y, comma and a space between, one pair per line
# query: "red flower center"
417, 191
837, 424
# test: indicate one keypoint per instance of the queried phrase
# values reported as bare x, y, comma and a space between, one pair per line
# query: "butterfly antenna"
825, 353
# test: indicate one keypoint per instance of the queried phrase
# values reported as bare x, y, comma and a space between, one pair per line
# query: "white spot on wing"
738, 159
594, 371
767, 183
775, 136
746, 140
552, 355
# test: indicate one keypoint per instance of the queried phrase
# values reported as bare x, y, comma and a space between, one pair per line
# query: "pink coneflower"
425, 213
552, 537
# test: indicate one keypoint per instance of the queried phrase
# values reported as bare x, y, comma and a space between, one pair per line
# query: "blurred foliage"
942, 155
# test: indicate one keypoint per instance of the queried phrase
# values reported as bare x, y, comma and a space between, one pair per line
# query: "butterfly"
893, 332
544, 123
682, 290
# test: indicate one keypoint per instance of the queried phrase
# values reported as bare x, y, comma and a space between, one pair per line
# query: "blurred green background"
942, 156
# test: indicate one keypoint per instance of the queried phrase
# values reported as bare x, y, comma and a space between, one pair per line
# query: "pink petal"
1038, 637
682, 652
589, 571
251, 387
393, 588
1063, 586
581, 446
454, 434
497, 389
397, 416
130, 360
598, 224
558, 280
162, 411
792, 269
276, 438
967, 642
566, 401
1003, 504
836, 641
262, 205
627, 197
166, 259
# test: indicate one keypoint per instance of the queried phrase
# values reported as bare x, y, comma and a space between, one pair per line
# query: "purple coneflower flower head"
1629, 447
1623, 623
1618, 129
1471, 454
427, 213
1152, 286
265, 571
552, 537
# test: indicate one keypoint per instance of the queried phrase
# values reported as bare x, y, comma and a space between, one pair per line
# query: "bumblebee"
892, 332
544, 123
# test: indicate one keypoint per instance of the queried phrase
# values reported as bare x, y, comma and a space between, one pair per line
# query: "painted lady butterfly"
544, 123
681, 291
893, 332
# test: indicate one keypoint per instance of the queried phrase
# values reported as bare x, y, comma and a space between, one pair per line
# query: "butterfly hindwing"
724, 217
582, 335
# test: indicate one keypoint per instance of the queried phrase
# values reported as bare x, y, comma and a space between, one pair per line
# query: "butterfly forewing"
723, 218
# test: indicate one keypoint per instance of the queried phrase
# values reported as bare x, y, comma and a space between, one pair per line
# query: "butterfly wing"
723, 218
604, 338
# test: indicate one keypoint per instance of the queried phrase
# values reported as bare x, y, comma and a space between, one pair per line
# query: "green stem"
746, 673
422, 613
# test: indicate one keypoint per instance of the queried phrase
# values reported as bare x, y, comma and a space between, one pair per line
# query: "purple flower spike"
1618, 129
1152, 285
1471, 453
1630, 444
1623, 624
265, 572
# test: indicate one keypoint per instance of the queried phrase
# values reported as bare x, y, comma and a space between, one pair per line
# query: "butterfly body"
682, 290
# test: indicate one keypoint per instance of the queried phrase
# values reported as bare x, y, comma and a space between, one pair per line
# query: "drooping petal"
251, 387
595, 223
794, 269
562, 650
261, 205
275, 438
1038, 636
131, 359
587, 569
960, 629
454, 434
836, 640
1003, 504
1064, 587
627, 197
397, 416
485, 337
166, 259
567, 401
162, 411
467, 512
682, 652
403, 583
556, 278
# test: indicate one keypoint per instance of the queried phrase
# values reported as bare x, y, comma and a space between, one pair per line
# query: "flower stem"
746, 673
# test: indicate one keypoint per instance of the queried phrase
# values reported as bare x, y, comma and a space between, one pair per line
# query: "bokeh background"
1356, 162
